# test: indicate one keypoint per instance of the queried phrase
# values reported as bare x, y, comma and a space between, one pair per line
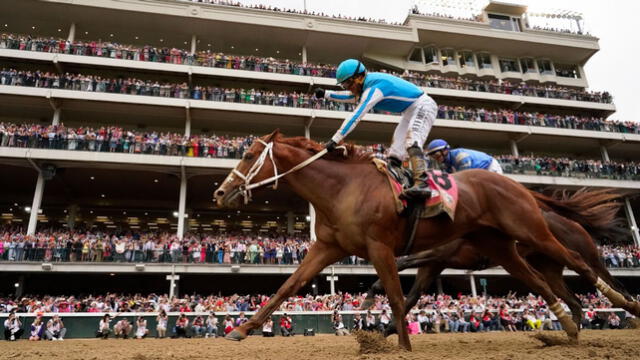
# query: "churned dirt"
607, 344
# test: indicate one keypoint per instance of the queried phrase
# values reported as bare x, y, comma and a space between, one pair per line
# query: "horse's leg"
502, 250
424, 278
552, 273
320, 255
385, 264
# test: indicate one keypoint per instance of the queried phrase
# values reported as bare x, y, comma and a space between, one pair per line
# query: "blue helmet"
348, 69
437, 145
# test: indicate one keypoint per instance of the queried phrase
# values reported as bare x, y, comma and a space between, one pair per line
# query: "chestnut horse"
596, 211
356, 215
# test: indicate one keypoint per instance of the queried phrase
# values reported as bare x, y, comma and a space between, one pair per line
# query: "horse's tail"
595, 210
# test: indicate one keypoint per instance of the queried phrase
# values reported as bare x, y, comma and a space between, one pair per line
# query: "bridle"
245, 189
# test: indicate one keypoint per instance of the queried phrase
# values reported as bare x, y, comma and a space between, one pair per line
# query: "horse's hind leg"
552, 273
385, 264
501, 249
320, 256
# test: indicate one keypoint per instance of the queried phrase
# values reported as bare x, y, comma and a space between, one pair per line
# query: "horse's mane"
355, 153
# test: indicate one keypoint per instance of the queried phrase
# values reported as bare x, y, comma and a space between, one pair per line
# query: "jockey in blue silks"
461, 159
386, 92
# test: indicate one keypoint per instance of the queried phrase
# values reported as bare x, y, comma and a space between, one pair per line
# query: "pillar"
19, 286
312, 222
472, 281
304, 54
182, 203
72, 213
632, 222
439, 285
194, 41
56, 116
35, 205
72, 32
514, 148
332, 281
187, 123
605, 153
173, 282
290, 222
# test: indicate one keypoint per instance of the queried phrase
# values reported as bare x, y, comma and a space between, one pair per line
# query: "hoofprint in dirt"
607, 344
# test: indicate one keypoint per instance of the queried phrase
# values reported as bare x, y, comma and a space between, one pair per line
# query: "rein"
245, 189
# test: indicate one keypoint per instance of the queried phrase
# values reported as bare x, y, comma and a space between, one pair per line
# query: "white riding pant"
495, 167
414, 127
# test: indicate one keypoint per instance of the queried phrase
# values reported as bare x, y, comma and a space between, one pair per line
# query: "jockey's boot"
395, 163
420, 189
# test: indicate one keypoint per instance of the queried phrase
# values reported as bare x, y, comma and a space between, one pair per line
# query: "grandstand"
216, 75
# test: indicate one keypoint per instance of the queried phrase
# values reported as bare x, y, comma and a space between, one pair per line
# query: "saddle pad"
444, 192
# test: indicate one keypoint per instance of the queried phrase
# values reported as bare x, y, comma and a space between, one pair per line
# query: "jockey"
461, 159
390, 93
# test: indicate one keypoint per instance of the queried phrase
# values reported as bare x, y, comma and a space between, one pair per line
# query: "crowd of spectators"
551, 166
620, 256
269, 64
562, 30
117, 139
292, 11
469, 17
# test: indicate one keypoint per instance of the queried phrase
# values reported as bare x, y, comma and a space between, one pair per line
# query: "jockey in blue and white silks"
381, 91
459, 159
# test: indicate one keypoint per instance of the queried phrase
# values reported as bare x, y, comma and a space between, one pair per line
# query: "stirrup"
416, 192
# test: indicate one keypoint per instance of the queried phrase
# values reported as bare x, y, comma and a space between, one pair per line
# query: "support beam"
19, 286
312, 211
56, 117
439, 285
72, 213
304, 54
605, 153
35, 205
514, 148
187, 123
182, 202
290, 222
72, 32
194, 41
632, 222
332, 281
472, 281
173, 279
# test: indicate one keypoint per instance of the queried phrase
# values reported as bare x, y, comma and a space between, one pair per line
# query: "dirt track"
608, 344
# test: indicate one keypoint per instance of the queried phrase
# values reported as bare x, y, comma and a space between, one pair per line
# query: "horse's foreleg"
424, 278
385, 264
552, 273
320, 255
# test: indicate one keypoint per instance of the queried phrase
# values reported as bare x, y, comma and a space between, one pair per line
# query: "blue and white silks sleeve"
368, 100
340, 96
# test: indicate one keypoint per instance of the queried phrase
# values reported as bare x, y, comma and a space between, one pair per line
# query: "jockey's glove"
319, 93
330, 145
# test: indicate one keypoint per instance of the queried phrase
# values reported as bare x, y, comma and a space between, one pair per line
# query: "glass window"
527, 65
504, 22
508, 65
568, 71
431, 55
544, 66
416, 55
465, 59
448, 57
484, 61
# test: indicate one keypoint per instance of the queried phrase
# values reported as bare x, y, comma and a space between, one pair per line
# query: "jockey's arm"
369, 99
462, 161
340, 96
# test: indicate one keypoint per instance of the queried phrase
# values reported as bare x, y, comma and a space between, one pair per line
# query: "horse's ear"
272, 136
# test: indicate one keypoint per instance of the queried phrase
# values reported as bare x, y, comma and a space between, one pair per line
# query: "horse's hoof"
235, 336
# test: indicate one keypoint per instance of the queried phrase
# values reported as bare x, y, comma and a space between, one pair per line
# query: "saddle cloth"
444, 192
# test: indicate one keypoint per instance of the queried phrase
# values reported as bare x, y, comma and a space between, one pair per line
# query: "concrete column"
182, 203
439, 285
72, 32
605, 153
304, 54
194, 41
472, 281
35, 206
72, 213
290, 222
514, 148
173, 282
56, 116
312, 223
19, 286
332, 281
632, 222
187, 123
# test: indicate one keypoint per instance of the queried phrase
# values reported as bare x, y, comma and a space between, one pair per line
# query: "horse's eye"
248, 156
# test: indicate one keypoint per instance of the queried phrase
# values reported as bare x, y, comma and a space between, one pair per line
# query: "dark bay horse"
596, 211
356, 215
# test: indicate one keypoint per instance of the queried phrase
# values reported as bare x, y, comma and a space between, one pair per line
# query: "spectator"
384, 321
36, 329
613, 321
12, 327
212, 325
338, 325
227, 324
286, 325
103, 327
122, 328
55, 329
182, 326
162, 320
198, 326
267, 327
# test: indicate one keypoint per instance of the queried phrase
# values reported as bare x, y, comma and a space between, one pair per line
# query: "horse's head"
256, 165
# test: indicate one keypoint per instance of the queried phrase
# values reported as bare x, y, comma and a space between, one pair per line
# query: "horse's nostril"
220, 193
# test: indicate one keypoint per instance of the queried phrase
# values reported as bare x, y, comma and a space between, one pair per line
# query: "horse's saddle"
444, 190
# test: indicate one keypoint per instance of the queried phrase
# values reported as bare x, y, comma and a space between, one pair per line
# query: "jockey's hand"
319, 93
330, 145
